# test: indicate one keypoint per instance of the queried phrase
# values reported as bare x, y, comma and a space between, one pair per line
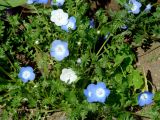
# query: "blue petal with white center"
58, 3
26, 74
101, 92
145, 98
97, 93
90, 92
71, 25
135, 9
59, 50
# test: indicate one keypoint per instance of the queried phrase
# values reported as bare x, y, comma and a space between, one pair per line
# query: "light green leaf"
157, 96
135, 79
11, 3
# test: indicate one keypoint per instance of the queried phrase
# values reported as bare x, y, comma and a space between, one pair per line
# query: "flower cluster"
70, 25
59, 50
135, 7
97, 93
60, 18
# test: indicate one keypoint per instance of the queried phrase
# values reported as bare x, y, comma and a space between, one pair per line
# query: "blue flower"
59, 50
37, 1
91, 23
70, 25
145, 98
90, 92
96, 93
26, 74
58, 2
148, 8
135, 9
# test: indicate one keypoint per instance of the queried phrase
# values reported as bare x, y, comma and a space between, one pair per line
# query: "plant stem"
103, 44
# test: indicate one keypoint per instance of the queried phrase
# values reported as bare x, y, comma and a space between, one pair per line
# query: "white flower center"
60, 17
100, 92
134, 7
69, 76
26, 74
144, 96
60, 49
70, 25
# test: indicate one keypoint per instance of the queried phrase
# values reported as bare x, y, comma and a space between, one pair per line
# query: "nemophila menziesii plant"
135, 6
71, 25
26, 74
68, 76
59, 17
63, 58
145, 98
59, 49
97, 93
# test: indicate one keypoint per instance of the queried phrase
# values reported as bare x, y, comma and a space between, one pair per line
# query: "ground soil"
150, 62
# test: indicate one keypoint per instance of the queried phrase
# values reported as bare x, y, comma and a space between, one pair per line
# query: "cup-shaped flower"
90, 93
135, 9
97, 93
59, 17
68, 76
148, 8
145, 98
59, 50
58, 2
71, 25
37, 1
26, 74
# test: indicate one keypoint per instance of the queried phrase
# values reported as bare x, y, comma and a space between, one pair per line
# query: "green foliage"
26, 39
11, 3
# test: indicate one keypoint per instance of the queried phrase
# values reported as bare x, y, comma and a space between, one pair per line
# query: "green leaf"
157, 96
119, 59
11, 3
135, 79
